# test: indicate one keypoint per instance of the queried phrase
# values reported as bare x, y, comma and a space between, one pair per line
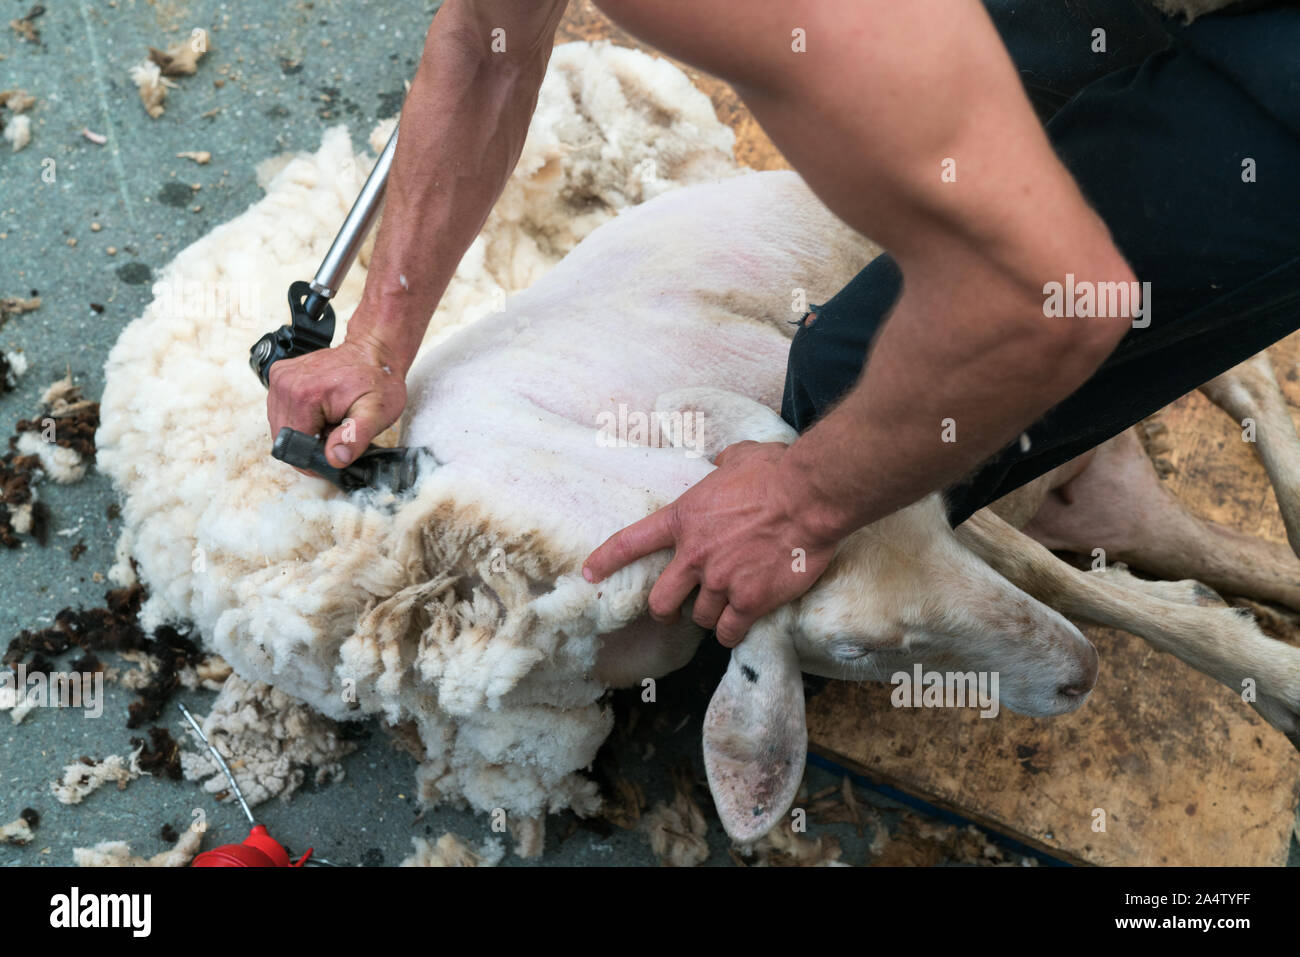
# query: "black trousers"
1186, 140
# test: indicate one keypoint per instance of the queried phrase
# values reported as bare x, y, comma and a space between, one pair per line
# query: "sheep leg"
1250, 391
1182, 618
1118, 504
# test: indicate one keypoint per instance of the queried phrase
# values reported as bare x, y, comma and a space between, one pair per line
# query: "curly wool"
451, 851
81, 779
18, 831
269, 739
118, 853
451, 614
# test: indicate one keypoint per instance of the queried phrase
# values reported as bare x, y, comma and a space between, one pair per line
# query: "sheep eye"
850, 651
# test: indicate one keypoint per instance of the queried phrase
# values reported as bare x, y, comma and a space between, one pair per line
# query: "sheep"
464, 612
510, 406
460, 614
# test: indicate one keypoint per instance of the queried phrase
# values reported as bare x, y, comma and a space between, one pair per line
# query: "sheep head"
900, 593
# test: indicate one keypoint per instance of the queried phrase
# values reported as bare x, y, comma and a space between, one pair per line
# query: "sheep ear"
756, 735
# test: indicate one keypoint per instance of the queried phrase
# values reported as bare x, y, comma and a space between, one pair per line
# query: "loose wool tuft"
450, 616
269, 739
118, 853
14, 365
19, 831
81, 779
452, 851
152, 86
18, 131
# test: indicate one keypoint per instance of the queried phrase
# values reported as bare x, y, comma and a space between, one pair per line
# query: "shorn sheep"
459, 614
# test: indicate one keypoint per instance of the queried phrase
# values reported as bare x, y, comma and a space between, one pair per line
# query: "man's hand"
464, 123
351, 388
738, 538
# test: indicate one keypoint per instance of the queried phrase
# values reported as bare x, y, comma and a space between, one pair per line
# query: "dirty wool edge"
349, 604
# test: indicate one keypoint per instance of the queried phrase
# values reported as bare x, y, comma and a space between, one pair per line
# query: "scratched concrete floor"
278, 75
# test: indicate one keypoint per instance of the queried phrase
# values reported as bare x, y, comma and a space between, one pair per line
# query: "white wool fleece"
331, 599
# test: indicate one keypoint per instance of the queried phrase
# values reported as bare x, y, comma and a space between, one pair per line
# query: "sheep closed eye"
846, 651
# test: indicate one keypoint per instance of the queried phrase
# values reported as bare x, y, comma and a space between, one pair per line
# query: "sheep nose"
1088, 662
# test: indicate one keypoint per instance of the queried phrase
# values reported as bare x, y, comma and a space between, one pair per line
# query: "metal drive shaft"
334, 268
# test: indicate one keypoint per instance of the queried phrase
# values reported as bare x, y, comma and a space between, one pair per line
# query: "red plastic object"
259, 849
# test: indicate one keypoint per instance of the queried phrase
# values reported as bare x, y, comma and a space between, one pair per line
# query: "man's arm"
463, 127
885, 94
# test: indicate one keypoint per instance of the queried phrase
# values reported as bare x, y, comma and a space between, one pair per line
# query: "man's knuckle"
693, 555
744, 603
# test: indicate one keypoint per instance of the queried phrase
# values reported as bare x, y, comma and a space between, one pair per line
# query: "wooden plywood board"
1183, 770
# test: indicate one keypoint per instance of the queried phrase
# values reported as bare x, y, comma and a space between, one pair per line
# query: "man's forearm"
889, 98
463, 127
884, 444
968, 339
